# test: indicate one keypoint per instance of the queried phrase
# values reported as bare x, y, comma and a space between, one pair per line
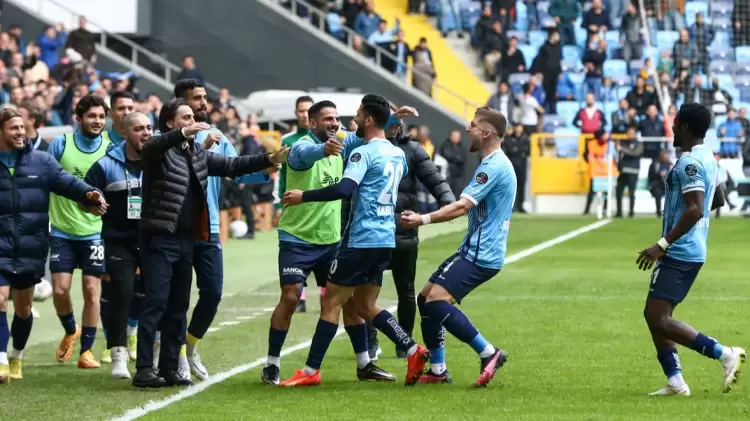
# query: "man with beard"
118, 175
122, 103
24, 249
207, 256
488, 201
76, 235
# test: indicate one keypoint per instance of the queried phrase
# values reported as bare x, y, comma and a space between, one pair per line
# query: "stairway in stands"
453, 71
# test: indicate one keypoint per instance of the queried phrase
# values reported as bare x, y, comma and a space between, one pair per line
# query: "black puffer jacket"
166, 177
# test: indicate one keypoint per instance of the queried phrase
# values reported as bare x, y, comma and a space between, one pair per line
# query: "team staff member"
118, 175
27, 177
123, 104
76, 236
208, 260
421, 169
174, 215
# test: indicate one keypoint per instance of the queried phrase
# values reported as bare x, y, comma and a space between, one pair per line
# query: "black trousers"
404, 270
167, 272
630, 181
122, 260
520, 166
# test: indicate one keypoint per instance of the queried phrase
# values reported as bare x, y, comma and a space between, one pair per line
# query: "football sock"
88, 336
459, 325
358, 337
670, 364
707, 346
192, 344
68, 322
132, 328
324, 334
20, 330
386, 323
433, 335
4, 334
157, 336
276, 340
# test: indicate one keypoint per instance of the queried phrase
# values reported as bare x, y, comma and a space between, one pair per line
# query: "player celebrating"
693, 191
488, 200
76, 236
374, 171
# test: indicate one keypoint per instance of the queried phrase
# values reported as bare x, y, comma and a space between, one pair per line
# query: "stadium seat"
567, 110
721, 23
725, 81
553, 122
523, 37
529, 52
742, 68
739, 105
517, 80
652, 53
635, 67
712, 141
614, 68
609, 108
567, 146
721, 39
612, 37
718, 120
570, 65
722, 9
537, 39
571, 52
731, 90
665, 39
624, 80
742, 53
720, 67
693, 7
722, 53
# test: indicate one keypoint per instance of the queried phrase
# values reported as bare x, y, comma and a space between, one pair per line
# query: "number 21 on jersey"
393, 172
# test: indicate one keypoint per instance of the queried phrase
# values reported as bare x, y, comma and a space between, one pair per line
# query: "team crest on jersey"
482, 178
691, 170
356, 157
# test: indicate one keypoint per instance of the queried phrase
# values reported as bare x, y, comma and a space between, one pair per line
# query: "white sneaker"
183, 367
732, 361
197, 367
120, 363
683, 390
157, 350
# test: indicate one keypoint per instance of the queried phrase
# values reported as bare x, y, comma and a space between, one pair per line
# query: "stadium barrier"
560, 180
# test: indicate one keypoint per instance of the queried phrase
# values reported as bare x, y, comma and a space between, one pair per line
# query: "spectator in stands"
532, 12
629, 166
566, 89
414, 6
483, 27
684, 52
493, 49
537, 90
745, 123
81, 41
617, 10
503, 9
504, 101
589, 119
32, 119
517, 147
669, 120
672, 14
665, 64
423, 137
455, 153
593, 61
336, 22
623, 118
16, 33
513, 61
657, 178
702, 35
668, 95
740, 23
448, 8
730, 132
630, 33
6, 47
424, 75
367, 21
697, 93
224, 101
722, 100
647, 72
610, 91
652, 126
530, 110
547, 62
400, 49
382, 34
36, 69
565, 13
652, 18
189, 70
596, 20
639, 97
359, 46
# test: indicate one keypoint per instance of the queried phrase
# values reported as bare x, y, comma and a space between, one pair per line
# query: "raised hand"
406, 112
280, 156
194, 128
332, 147
212, 139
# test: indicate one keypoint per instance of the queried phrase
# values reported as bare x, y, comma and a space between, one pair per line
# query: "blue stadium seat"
665, 39
722, 8
725, 80
721, 39
742, 80
635, 67
720, 67
739, 105
693, 7
529, 52
722, 53
577, 79
567, 147
571, 65
553, 122
580, 35
615, 68
721, 23
571, 52
652, 53
537, 38
742, 53
712, 141
612, 37
517, 80
719, 119
742, 68
568, 110
731, 90
523, 37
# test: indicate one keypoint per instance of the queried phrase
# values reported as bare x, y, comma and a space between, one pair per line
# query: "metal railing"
379, 53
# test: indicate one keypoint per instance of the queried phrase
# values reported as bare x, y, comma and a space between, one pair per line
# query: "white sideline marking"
229, 323
193, 390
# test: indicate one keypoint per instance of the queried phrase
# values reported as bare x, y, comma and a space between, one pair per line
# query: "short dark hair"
378, 108
494, 118
318, 107
88, 102
168, 112
120, 95
36, 113
696, 118
6, 114
300, 100
184, 85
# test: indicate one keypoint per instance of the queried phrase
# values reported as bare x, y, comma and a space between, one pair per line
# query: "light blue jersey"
224, 147
492, 190
696, 170
377, 167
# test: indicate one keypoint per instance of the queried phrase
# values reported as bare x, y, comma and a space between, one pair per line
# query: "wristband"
663, 243
426, 219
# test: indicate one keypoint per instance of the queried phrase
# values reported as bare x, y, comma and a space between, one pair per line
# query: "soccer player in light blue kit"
373, 173
488, 201
693, 191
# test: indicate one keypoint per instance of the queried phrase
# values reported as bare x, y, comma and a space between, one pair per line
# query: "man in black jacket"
174, 216
517, 147
629, 166
421, 169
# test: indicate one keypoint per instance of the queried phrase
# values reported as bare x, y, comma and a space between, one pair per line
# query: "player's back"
696, 170
493, 192
378, 167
